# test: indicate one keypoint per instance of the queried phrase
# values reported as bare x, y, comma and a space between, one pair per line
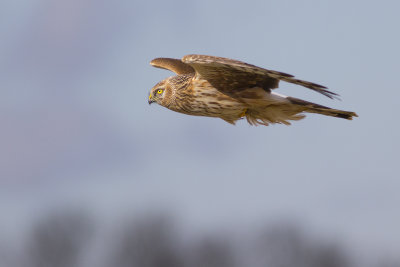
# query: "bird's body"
198, 97
230, 90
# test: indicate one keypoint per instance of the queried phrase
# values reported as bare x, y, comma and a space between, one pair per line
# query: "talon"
243, 113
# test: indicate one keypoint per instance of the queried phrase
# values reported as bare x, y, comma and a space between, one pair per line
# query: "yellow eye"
159, 91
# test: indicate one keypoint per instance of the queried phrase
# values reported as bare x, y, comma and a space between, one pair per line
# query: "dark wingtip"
327, 93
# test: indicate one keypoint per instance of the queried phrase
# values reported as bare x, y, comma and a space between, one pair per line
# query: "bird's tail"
315, 108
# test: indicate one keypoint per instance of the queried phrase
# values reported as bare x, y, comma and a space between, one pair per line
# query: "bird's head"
165, 92
158, 93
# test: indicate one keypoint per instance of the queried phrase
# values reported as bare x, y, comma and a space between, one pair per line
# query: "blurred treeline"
74, 239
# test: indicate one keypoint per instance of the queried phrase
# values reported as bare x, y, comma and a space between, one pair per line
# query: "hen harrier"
229, 89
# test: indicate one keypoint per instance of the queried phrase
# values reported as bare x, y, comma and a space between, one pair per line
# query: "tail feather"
319, 109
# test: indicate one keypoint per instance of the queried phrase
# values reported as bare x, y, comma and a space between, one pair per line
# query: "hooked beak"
151, 99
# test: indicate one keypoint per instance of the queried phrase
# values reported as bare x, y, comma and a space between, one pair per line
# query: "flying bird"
231, 90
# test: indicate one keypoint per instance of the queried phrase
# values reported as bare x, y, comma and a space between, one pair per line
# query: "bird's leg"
243, 113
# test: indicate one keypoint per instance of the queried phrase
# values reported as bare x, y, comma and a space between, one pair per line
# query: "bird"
232, 90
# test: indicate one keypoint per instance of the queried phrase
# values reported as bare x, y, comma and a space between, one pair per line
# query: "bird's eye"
159, 91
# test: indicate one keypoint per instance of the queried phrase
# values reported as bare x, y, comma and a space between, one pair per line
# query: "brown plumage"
230, 90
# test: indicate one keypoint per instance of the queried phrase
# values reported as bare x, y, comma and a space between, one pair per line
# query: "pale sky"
77, 128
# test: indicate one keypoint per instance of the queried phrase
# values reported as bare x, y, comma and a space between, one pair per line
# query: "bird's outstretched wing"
229, 75
172, 64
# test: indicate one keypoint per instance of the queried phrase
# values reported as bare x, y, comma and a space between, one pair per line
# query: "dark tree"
58, 240
148, 242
